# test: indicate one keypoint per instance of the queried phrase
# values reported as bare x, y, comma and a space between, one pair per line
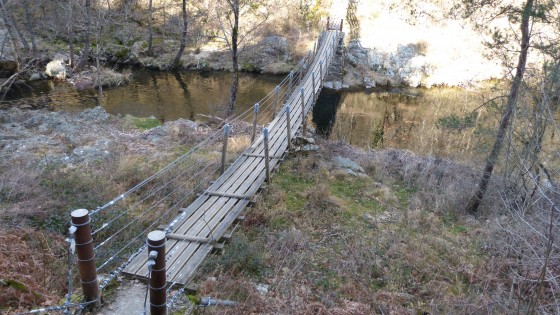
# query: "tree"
236, 35
527, 14
177, 59
150, 29
29, 26
87, 41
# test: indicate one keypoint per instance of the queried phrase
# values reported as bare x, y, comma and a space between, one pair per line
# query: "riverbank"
432, 47
340, 230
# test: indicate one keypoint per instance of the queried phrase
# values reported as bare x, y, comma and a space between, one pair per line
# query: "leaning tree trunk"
474, 203
177, 59
86, 52
234, 62
18, 31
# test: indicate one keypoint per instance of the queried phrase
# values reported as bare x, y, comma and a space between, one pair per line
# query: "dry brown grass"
31, 272
328, 243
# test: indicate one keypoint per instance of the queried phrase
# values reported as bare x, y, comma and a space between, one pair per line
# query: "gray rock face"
177, 128
346, 163
357, 55
135, 50
35, 76
97, 114
100, 149
405, 66
275, 44
8, 64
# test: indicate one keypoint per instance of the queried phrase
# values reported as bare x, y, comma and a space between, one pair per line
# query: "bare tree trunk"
87, 44
234, 62
29, 27
13, 23
70, 32
183, 38
99, 31
474, 203
151, 30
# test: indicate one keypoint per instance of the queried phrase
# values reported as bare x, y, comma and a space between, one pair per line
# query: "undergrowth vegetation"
390, 241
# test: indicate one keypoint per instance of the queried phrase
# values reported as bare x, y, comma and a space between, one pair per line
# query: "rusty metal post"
86, 256
227, 129
158, 281
288, 127
256, 116
303, 116
328, 22
266, 155
276, 97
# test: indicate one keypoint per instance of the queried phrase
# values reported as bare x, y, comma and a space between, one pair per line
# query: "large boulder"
56, 69
275, 44
8, 62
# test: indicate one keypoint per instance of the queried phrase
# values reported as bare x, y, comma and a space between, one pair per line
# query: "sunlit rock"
56, 69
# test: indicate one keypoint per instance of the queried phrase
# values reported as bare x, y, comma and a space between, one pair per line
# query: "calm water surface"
406, 119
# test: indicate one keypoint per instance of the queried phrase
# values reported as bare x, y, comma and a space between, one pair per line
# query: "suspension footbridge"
196, 200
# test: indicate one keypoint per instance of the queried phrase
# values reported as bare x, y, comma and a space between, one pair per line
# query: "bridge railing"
120, 226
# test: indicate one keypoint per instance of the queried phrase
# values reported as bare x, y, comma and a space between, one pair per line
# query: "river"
427, 121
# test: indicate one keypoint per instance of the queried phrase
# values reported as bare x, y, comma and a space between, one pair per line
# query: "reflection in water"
169, 96
324, 116
405, 120
166, 96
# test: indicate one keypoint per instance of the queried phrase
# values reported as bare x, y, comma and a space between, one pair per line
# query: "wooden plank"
243, 178
188, 238
226, 195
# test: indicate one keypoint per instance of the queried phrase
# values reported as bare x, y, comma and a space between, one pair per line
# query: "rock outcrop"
8, 62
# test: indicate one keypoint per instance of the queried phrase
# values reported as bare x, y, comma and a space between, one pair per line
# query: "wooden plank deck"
212, 213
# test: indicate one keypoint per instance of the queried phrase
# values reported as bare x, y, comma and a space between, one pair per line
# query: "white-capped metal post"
255, 118
288, 127
227, 129
303, 116
320, 73
313, 85
266, 155
276, 97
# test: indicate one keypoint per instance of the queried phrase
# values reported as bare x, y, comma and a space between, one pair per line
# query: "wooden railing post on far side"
227, 129
313, 85
288, 127
314, 49
303, 120
303, 66
256, 116
290, 85
276, 97
266, 155
341, 21
320, 73
158, 281
86, 256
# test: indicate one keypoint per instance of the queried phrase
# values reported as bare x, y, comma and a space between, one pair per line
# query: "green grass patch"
143, 123
293, 185
354, 193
